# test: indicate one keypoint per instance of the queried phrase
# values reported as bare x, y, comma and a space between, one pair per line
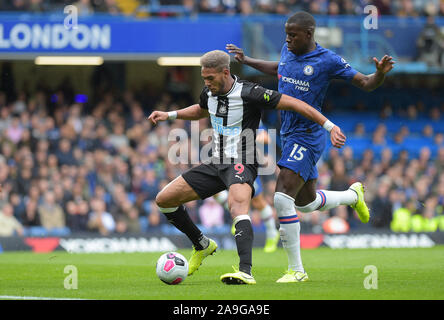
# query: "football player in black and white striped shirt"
234, 107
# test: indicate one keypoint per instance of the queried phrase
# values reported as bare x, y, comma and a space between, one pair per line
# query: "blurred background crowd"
91, 162
69, 164
166, 8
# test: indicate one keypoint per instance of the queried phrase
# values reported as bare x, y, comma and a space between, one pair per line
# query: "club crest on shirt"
223, 109
308, 70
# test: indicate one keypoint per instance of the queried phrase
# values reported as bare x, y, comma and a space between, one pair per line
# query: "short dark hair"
303, 19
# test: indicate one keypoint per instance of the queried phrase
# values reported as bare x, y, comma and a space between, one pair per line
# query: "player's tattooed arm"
268, 67
288, 103
194, 112
374, 80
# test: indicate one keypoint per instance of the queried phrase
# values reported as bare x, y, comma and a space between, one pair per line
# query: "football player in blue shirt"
304, 72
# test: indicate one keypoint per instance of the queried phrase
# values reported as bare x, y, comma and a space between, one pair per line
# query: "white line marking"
36, 298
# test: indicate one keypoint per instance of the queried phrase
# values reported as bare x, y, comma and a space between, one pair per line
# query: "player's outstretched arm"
268, 67
288, 103
374, 80
194, 112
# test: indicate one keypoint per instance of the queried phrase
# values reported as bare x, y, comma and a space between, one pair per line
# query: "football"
172, 268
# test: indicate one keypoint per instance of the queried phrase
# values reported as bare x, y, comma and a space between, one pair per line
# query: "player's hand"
337, 138
238, 52
158, 116
385, 64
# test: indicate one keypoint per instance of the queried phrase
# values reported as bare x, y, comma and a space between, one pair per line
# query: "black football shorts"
209, 179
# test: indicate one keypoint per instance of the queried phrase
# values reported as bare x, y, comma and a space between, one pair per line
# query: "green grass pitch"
334, 274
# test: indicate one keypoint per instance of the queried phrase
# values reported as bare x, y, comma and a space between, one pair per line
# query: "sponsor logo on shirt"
299, 84
218, 126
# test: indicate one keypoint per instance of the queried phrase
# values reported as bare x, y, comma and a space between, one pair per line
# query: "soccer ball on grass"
172, 268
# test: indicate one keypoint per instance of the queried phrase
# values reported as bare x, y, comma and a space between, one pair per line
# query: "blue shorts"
301, 152
257, 187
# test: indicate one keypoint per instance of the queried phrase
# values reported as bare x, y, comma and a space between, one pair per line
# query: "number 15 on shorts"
297, 153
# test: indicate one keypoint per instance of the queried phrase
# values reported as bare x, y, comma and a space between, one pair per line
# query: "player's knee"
238, 208
308, 207
238, 204
283, 203
163, 201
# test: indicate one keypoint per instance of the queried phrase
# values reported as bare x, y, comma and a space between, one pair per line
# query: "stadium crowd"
69, 165
166, 8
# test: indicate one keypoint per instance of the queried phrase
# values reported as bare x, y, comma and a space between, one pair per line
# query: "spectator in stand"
245, 7
406, 9
30, 217
84, 7
51, 215
77, 212
9, 225
333, 8
23, 182
427, 220
441, 8
118, 139
15, 130
381, 207
430, 43
401, 221
17, 204
150, 185
36, 6
112, 7
99, 219
349, 160
282, 7
339, 181
132, 220
384, 7
207, 6
16, 5
64, 154
155, 219
211, 214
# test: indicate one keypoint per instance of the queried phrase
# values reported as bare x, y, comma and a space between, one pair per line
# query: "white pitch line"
36, 298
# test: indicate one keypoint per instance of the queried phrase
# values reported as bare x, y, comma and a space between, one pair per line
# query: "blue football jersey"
306, 77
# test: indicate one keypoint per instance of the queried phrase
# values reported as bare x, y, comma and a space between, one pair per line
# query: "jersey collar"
306, 55
232, 87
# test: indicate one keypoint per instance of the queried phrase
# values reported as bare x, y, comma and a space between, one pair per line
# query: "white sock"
290, 229
268, 220
333, 199
326, 200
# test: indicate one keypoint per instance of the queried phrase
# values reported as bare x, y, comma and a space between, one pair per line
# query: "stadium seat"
144, 224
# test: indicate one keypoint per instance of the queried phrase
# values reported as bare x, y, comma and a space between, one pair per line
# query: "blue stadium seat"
144, 224
131, 197
438, 126
358, 145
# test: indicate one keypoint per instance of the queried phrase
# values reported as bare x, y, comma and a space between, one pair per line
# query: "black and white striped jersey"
235, 117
